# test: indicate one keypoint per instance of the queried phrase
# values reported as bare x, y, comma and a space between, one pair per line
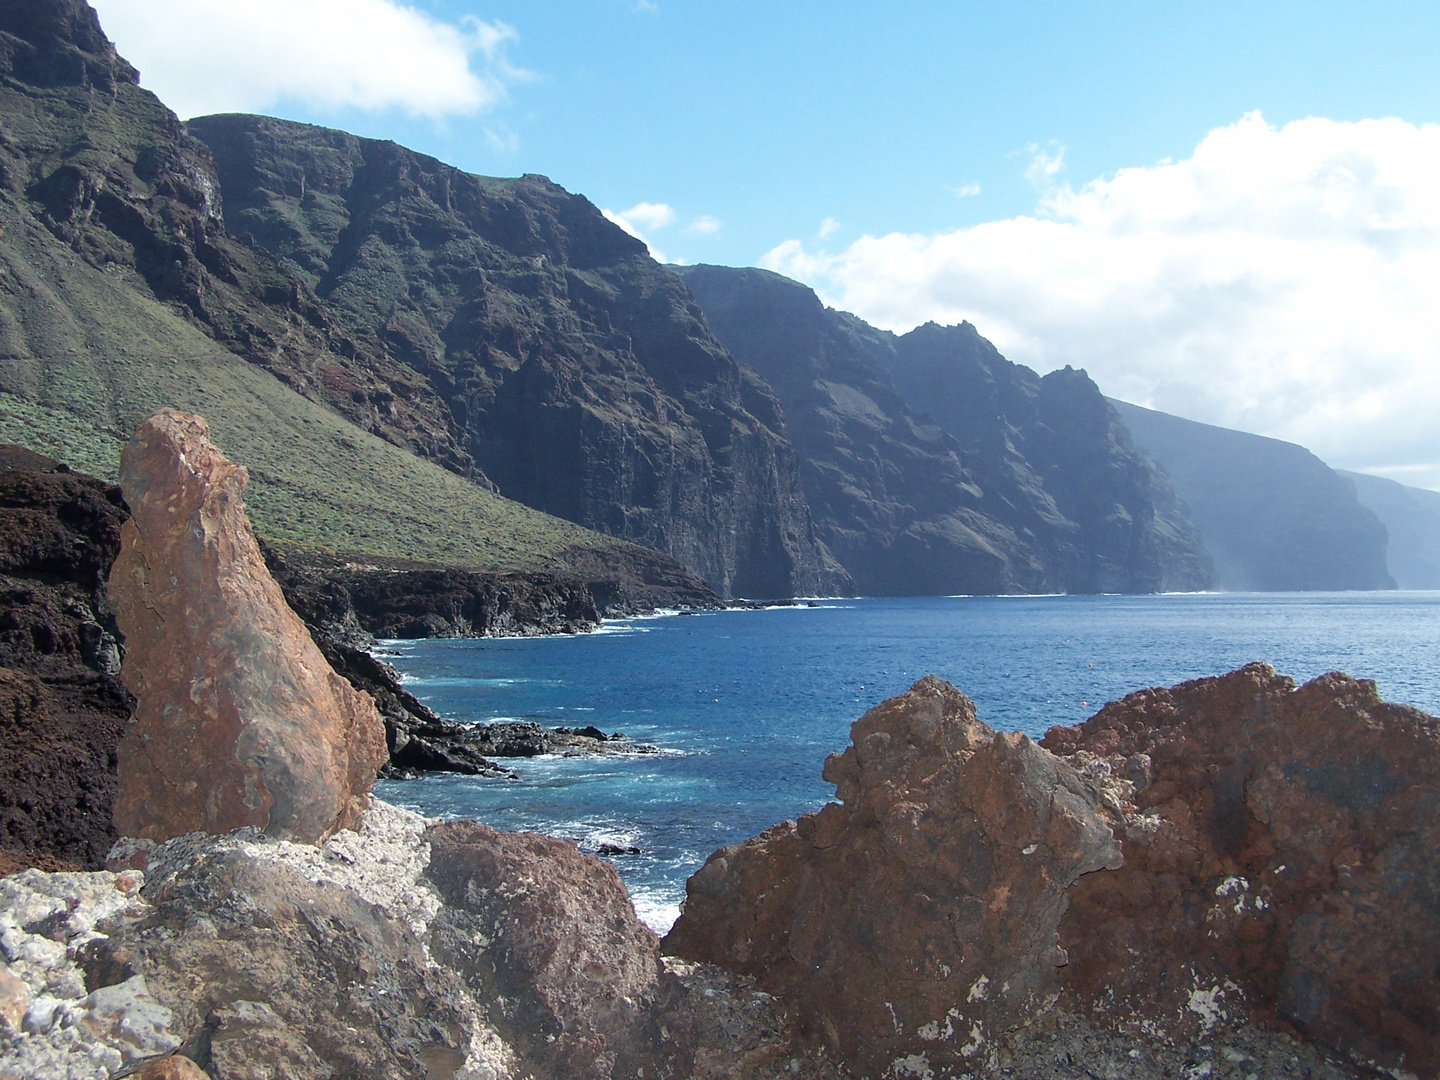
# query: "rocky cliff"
933, 465
1411, 517
1272, 515
122, 291
573, 369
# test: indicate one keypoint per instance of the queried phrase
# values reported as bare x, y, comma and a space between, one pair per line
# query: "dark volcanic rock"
1278, 865
64, 705
933, 465
919, 915
576, 372
1272, 515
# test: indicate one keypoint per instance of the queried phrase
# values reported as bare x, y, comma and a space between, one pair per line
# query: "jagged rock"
175, 1067
404, 950
1279, 865
62, 704
240, 721
920, 915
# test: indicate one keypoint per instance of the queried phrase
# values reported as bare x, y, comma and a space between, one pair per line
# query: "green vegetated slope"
120, 293
105, 356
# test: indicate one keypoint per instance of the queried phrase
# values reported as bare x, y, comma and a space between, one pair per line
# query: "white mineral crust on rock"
68, 1033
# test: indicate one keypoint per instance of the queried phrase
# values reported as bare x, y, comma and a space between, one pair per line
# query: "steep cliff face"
579, 375
121, 293
105, 168
1411, 517
1272, 515
934, 465
1053, 448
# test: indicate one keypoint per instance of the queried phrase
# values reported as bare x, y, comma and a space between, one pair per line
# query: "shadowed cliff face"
1273, 515
580, 376
933, 465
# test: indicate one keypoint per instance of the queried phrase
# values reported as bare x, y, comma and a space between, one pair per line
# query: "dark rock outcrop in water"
62, 704
933, 465
1411, 517
1272, 515
239, 721
569, 366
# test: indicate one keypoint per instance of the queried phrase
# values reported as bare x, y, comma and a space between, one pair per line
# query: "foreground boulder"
920, 916
240, 720
1228, 862
406, 949
1279, 865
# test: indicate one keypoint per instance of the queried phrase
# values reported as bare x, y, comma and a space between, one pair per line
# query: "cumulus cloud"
203, 56
1279, 280
704, 225
827, 228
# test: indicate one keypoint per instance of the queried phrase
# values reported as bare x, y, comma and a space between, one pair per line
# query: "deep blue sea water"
747, 704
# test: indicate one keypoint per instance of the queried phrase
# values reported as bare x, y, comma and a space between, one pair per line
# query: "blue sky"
932, 138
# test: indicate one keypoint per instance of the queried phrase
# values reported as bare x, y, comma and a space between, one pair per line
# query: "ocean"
745, 704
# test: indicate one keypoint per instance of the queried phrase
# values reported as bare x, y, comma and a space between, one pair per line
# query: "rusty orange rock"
240, 720
1279, 847
920, 915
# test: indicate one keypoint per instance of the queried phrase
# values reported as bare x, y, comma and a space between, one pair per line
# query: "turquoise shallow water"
747, 704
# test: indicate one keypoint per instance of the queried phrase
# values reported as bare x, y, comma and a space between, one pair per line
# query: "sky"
1227, 211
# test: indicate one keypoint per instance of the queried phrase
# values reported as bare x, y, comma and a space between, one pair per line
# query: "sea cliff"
1230, 877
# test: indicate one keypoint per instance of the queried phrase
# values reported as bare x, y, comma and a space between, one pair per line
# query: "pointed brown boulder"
240, 719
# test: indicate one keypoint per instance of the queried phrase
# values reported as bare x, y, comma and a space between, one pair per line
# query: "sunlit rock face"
240, 721
921, 914
1279, 865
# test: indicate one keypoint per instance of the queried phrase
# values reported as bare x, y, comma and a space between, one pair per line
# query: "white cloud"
650, 215
965, 191
1283, 281
827, 227
1046, 163
203, 56
704, 225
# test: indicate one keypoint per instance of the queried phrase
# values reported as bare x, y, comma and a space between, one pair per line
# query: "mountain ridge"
911, 499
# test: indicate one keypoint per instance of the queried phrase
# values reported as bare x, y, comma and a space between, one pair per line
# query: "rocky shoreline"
60, 652
1232, 877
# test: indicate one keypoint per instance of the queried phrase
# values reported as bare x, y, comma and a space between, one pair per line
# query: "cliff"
933, 465
573, 369
124, 292
1411, 517
1272, 515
